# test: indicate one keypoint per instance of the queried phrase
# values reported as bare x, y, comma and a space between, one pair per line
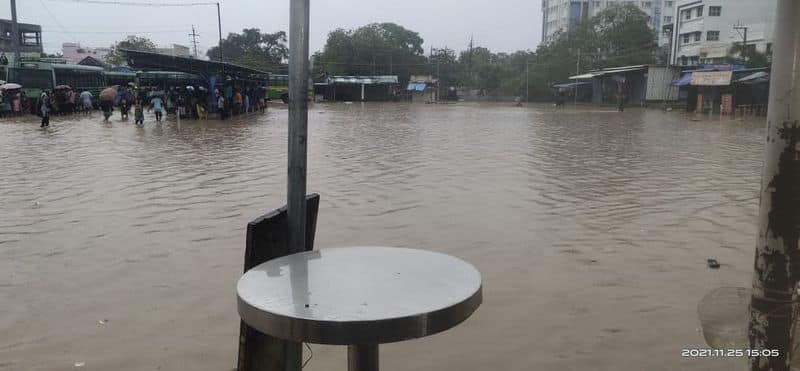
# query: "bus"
34, 76
81, 78
278, 88
120, 78
165, 79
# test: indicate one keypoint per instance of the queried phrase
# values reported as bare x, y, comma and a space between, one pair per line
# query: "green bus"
278, 88
34, 76
120, 78
81, 78
165, 79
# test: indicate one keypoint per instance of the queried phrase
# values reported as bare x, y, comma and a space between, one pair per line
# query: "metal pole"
219, 24
298, 145
577, 72
14, 30
362, 358
527, 83
777, 263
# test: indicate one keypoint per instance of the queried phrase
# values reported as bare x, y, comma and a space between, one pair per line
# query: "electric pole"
773, 314
738, 27
219, 23
194, 36
14, 30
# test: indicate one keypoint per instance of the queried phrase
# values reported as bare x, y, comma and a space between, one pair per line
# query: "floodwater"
120, 246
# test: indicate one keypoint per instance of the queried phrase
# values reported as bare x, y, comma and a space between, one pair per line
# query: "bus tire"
285, 98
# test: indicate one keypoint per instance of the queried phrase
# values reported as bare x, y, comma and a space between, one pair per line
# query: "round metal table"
359, 297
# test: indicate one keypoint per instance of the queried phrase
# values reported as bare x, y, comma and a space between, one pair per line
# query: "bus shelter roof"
150, 60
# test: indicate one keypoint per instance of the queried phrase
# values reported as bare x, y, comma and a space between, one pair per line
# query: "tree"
263, 51
116, 57
377, 48
617, 36
748, 56
623, 36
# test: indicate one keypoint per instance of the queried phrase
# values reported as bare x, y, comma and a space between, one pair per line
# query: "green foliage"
621, 36
748, 56
617, 36
263, 51
118, 58
377, 48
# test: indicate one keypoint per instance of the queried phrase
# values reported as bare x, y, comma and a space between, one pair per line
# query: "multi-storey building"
30, 38
703, 31
74, 53
560, 15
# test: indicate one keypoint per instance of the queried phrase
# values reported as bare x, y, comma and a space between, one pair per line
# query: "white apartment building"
703, 31
559, 15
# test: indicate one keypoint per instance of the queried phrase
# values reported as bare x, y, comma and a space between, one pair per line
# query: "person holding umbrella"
107, 97
86, 101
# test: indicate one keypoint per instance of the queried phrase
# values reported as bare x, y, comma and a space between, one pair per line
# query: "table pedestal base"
362, 357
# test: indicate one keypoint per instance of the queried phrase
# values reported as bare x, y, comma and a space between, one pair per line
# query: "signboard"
716, 78
727, 104
699, 107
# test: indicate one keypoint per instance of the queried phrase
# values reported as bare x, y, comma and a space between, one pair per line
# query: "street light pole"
777, 263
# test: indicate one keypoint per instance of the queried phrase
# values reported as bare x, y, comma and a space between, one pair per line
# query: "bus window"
31, 78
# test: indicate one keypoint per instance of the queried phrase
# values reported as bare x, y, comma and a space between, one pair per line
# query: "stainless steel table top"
358, 295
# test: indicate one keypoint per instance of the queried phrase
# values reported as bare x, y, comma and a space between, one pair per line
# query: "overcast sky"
501, 25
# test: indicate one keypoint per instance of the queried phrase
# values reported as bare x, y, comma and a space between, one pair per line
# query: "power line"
61, 26
116, 32
130, 3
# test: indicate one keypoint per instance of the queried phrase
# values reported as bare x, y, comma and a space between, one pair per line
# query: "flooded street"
591, 229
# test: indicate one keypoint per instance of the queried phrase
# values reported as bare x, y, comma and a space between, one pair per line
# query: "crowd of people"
188, 102
13, 102
233, 100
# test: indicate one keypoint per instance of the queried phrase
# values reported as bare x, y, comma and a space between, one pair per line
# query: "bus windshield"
31, 78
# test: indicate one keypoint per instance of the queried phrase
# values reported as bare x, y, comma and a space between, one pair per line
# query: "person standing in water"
44, 106
138, 112
157, 105
621, 98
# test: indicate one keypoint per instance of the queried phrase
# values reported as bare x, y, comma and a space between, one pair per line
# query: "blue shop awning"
684, 80
416, 86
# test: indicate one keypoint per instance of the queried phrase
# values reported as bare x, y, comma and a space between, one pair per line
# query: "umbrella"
63, 87
10, 86
108, 94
